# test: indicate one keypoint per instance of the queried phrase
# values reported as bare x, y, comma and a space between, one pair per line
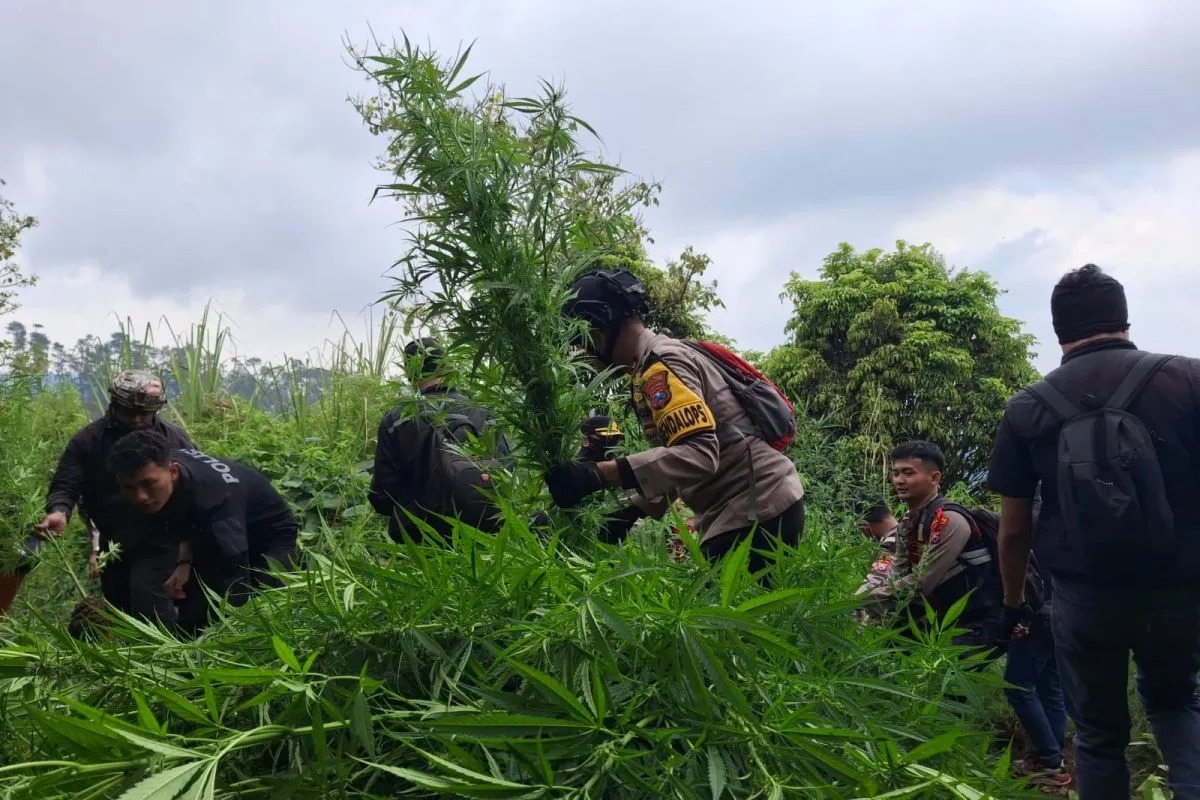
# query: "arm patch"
676, 409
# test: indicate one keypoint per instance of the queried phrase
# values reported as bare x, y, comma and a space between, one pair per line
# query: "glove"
619, 524
1015, 622
571, 483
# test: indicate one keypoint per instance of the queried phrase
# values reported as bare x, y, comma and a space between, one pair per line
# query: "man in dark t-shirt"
1146, 602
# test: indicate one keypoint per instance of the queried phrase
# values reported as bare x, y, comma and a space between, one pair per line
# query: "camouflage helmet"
138, 389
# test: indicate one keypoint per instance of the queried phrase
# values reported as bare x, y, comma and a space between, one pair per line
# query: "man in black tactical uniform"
225, 520
416, 469
134, 581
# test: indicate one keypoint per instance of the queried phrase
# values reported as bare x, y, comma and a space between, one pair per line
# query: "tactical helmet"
428, 352
138, 389
605, 297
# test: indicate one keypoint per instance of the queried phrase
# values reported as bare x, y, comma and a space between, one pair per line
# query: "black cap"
1087, 302
429, 353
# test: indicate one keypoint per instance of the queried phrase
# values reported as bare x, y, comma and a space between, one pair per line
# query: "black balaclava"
1098, 306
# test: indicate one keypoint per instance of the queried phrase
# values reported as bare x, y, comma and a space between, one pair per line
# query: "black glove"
571, 483
618, 525
1015, 622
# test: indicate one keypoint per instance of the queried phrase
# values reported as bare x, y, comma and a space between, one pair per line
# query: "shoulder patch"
676, 410
656, 390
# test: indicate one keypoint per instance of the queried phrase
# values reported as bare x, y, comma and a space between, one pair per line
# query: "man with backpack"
1113, 437
717, 427
420, 465
943, 552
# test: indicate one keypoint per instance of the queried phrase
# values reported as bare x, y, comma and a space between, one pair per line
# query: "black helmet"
605, 297
427, 351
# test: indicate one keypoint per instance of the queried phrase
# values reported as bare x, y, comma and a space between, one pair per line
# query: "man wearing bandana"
134, 581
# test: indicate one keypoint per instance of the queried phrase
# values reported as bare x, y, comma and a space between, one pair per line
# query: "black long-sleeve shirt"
82, 479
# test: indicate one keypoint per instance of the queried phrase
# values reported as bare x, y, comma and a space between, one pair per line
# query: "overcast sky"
181, 152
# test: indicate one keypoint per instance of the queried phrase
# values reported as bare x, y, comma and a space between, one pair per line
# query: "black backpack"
459, 484
1111, 491
986, 523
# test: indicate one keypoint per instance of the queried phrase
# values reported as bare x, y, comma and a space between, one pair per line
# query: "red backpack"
768, 407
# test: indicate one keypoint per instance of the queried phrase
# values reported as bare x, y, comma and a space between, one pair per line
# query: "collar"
645, 343
1098, 345
181, 495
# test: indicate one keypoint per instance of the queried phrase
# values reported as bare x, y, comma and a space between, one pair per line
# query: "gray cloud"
204, 144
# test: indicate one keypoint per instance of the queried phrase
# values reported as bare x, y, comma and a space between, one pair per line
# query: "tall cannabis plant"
498, 227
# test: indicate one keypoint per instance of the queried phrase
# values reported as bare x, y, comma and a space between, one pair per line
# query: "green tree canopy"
12, 225
888, 346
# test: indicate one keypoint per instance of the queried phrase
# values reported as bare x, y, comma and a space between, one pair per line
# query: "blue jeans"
1094, 634
1037, 699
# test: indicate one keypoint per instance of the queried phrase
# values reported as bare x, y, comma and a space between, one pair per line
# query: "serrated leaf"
165, 785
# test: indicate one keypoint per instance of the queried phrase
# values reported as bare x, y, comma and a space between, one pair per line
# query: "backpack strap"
1053, 399
1136, 380
744, 434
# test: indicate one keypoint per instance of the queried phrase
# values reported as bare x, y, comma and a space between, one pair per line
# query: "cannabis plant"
499, 224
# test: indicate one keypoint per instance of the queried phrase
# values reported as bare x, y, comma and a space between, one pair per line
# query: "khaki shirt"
690, 413
940, 550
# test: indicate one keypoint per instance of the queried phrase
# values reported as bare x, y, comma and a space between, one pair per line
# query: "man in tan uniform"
705, 451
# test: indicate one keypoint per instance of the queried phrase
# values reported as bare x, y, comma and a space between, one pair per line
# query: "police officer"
410, 453
226, 522
939, 553
879, 524
737, 484
134, 581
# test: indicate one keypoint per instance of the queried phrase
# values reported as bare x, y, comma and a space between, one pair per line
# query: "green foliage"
895, 346
504, 668
12, 226
35, 425
494, 241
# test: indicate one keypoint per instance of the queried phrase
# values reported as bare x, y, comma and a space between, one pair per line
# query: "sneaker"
1055, 777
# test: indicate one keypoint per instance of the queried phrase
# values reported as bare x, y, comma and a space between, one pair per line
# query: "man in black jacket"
1123, 565
225, 520
417, 468
134, 581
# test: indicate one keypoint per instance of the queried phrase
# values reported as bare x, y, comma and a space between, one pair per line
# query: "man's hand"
571, 483
175, 583
1015, 622
53, 523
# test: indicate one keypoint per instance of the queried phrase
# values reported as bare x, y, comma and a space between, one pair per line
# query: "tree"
12, 225
895, 346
